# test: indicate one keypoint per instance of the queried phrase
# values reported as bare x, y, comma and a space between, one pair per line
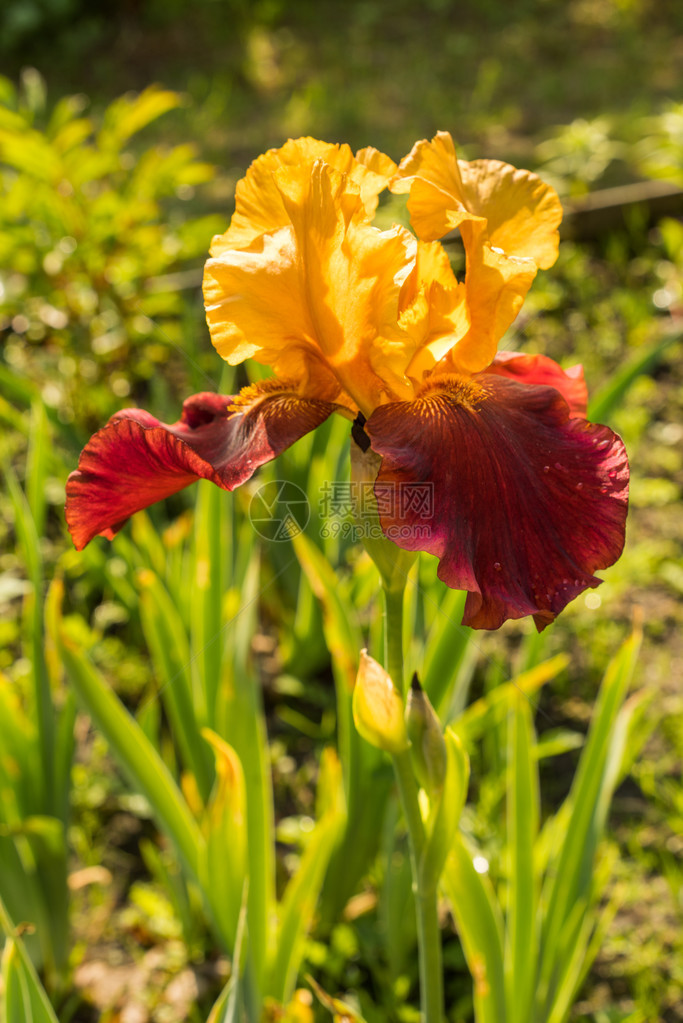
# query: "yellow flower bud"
378, 707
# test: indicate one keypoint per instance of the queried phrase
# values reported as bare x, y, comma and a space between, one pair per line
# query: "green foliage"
530, 940
97, 261
36, 736
588, 154
23, 997
214, 801
90, 249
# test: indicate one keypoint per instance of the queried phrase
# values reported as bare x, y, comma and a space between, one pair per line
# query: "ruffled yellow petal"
320, 293
433, 310
495, 285
258, 202
522, 212
508, 220
431, 173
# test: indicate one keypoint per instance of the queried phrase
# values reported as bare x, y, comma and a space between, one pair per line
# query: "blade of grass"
570, 878
133, 750
607, 398
225, 863
368, 777
36, 465
584, 942
225, 1008
207, 581
25, 998
30, 547
489, 710
480, 926
167, 641
445, 816
446, 652
241, 719
522, 824
301, 895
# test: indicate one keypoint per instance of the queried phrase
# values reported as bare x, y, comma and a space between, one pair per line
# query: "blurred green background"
123, 130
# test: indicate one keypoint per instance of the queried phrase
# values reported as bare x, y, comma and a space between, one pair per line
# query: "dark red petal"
135, 460
527, 501
539, 369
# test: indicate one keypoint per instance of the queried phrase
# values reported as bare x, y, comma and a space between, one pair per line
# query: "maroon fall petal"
540, 370
135, 460
520, 501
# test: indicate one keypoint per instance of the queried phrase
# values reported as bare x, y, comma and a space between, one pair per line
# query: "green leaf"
30, 546
522, 822
367, 776
449, 657
24, 999
224, 865
644, 360
301, 895
132, 748
341, 628
129, 114
488, 711
167, 641
36, 465
17, 999
445, 817
480, 926
240, 720
225, 1008
570, 876
208, 588
340, 1010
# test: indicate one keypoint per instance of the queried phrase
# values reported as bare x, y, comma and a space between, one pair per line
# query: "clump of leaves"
89, 292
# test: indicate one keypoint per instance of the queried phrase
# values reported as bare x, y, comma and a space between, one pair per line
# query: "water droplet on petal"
546, 468
603, 490
579, 486
497, 565
612, 475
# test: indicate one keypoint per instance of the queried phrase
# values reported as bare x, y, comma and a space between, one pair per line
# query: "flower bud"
428, 748
378, 707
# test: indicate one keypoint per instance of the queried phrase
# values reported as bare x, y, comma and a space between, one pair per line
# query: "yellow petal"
508, 220
322, 291
522, 212
431, 173
495, 287
258, 203
434, 310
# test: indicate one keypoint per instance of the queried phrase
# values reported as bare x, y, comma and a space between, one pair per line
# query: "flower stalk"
424, 887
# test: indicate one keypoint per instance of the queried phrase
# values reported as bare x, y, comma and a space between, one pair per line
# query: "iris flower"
529, 499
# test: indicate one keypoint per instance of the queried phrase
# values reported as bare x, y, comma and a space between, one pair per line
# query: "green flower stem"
428, 934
